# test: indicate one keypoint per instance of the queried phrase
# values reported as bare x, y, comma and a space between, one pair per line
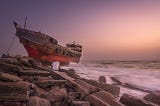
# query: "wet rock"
102, 98
80, 103
102, 79
14, 91
9, 77
129, 100
34, 72
50, 83
56, 94
70, 72
84, 87
37, 101
61, 76
132, 86
153, 97
116, 80
78, 84
113, 89
9, 68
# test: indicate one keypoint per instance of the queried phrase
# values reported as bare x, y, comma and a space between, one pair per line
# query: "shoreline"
26, 82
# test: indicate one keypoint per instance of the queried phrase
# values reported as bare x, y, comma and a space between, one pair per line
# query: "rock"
129, 100
113, 89
14, 91
28, 78
74, 95
35, 63
153, 97
84, 87
26, 68
50, 83
9, 68
38, 91
35, 79
70, 72
40, 78
13, 103
102, 79
23, 62
116, 80
9, 60
132, 86
102, 98
37, 101
56, 94
34, 72
79, 85
61, 76
9, 77
80, 103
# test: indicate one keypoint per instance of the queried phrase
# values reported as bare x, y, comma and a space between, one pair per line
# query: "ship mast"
25, 22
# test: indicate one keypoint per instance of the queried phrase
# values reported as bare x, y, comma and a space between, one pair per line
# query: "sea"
144, 74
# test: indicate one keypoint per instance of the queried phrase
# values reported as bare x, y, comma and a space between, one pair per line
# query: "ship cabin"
75, 47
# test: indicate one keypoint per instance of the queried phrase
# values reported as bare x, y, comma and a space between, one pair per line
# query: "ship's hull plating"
46, 54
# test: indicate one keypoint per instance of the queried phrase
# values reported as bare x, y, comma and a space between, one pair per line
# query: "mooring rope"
10, 46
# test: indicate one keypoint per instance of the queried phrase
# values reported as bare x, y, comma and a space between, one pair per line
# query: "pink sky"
108, 30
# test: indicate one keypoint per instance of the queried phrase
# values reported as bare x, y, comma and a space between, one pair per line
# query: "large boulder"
129, 100
56, 94
116, 80
13, 103
102, 98
9, 60
14, 91
37, 101
35, 63
38, 91
50, 83
71, 72
28, 78
74, 95
84, 87
9, 77
78, 84
9, 68
113, 89
136, 87
153, 97
102, 79
34, 72
23, 61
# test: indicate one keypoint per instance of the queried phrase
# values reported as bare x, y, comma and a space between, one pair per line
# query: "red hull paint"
49, 57
46, 49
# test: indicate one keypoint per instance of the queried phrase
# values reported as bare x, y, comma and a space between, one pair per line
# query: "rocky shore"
25, 81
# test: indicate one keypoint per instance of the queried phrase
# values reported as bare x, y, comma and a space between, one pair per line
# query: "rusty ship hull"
46, 49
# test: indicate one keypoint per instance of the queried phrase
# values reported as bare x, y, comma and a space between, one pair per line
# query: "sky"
107, 29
